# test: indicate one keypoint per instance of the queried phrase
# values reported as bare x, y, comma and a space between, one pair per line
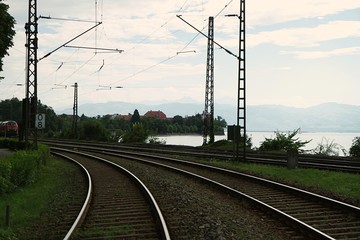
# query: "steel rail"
86, 204
318, 162
347, 207
253, 178
313, 232
162, 226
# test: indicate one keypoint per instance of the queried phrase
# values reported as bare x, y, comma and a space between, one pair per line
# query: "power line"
63, 45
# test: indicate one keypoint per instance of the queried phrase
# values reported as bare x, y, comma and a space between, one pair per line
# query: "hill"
328, 117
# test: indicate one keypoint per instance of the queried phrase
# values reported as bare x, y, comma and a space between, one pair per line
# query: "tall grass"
29, 203
21, 168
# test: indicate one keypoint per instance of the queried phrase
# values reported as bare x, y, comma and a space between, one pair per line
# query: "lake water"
343, 139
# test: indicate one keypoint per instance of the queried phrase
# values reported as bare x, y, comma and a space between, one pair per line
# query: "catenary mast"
30, 101
209, 88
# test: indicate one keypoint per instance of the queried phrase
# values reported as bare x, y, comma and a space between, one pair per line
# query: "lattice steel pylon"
241, 109
209, 88
30, 101
75, 111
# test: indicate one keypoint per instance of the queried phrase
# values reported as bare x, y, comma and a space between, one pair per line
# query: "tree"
219, 125
355, 147
7, 32
178, 119
11, 109
135, 118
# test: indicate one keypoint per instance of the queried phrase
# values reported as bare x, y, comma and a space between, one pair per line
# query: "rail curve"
100, 215
317, 216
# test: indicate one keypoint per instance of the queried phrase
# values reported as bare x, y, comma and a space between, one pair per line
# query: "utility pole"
30, 101
209, 88
241, 111
240, 130
75, 111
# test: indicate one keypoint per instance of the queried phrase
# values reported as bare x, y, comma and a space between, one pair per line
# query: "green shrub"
13, 144
283, 142
137, 134
21, 168
327, 148
5, 173
355, 147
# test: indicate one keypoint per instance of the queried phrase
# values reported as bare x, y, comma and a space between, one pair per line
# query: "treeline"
108, 127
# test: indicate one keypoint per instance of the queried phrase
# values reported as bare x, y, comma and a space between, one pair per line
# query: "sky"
298, 53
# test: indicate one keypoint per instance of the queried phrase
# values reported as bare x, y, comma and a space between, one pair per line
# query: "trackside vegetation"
21, 168
29, 183
283, 142
355, 148
345, 185
109, 127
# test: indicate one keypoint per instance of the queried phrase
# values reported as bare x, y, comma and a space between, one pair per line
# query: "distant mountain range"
328, 117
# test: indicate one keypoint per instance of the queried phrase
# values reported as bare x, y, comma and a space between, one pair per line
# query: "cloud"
324, 54
150, 33
279, 11
307, 36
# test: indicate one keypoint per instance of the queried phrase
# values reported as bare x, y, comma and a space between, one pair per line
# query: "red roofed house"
156, 114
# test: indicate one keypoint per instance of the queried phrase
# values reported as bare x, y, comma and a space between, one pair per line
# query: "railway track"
118, 205
345, 164
314, 216
191, 217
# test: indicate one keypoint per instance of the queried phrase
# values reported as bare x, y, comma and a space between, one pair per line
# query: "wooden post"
7, 220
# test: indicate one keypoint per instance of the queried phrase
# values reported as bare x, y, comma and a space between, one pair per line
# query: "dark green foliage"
21, 168
52, 121
7, 32
108, 127
283, 142
115, 126
219, 125
137, 134
180, 125
355, 147
92, 129
13, 144
11, 109
135, 118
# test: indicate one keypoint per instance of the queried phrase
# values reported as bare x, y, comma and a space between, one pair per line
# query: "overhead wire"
169, 58
143, 40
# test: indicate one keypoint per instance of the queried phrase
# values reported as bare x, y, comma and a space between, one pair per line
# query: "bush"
21, 168
355, 147
5, 173
92, 130
283, 142
13, 144
327, 148
137, 134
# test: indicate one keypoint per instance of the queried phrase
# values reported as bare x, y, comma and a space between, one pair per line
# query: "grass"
28, 203
344, 184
